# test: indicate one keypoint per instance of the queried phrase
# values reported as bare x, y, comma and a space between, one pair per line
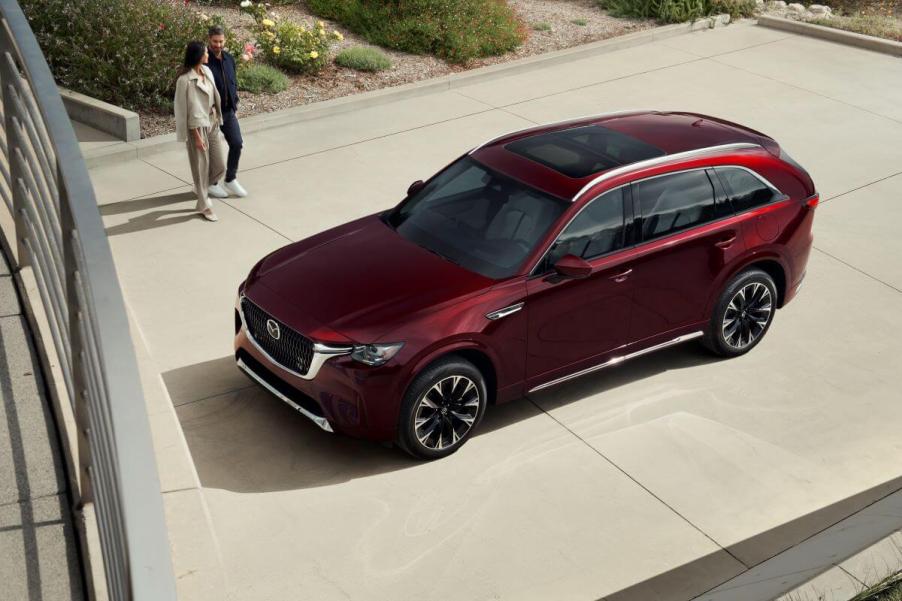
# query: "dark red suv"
535, 258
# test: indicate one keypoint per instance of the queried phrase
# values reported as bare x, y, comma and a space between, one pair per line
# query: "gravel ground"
335, 81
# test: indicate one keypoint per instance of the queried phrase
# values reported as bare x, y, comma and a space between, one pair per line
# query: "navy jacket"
226, 79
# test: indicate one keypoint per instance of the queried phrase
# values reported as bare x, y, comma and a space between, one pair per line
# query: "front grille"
291, 350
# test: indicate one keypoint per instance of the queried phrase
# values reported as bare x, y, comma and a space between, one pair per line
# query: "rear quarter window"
745, 190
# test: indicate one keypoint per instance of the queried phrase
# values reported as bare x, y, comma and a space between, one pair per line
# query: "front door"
573, 322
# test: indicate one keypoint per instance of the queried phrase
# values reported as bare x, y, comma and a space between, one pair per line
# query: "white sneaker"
217, 191
234, 188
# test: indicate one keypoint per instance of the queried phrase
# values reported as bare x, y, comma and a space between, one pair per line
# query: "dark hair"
194, 54
215, 30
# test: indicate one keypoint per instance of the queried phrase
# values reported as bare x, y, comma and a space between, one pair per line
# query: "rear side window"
596, 231
745, 191
671, 203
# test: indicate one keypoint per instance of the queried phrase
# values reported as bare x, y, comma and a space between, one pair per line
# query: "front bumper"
337, 393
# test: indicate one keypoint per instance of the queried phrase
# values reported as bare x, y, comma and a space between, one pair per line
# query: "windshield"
477, 218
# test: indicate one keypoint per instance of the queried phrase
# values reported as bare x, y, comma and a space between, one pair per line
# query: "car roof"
656, 135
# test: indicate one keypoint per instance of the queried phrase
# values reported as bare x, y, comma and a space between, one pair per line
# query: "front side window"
675, 202
478, 218
596, 231
745, 191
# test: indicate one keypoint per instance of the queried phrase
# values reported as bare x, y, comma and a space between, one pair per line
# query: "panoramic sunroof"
582, 151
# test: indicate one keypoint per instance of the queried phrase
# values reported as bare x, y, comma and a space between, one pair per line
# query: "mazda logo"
273, 328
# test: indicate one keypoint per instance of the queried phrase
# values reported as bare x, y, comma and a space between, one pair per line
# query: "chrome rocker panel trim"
322, 422
616, 360
321, 352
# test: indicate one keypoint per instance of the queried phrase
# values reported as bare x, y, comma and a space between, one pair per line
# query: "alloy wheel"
446, 412
747, 315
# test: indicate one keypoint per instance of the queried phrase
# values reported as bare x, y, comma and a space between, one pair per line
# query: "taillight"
813, 201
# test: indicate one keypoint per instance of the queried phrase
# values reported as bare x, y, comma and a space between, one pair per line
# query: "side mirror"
573, 267
415, 187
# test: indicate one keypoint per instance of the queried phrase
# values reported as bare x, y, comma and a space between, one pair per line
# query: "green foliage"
879, 26
456, 31
293, 47
580, 22
676, 11
258, 78
542, 26
363, 58
125, 52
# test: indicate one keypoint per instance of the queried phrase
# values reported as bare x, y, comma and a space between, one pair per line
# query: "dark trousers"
232, 133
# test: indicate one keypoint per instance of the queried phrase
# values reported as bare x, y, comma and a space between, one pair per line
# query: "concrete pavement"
39, 558
673, 463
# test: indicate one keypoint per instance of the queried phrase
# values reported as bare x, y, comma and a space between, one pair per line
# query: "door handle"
726, 242
622, 276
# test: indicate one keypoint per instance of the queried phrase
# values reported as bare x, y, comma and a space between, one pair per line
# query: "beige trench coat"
191, 102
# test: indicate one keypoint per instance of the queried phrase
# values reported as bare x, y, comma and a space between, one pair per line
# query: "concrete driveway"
674, 463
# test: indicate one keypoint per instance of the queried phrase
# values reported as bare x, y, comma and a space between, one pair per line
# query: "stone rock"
820, 9
778, 4
796, 7
723, 19
759, 4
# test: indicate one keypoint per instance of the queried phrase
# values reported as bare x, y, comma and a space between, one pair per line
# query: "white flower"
245, 3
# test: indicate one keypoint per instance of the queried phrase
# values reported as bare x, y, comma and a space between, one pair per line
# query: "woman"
197, 117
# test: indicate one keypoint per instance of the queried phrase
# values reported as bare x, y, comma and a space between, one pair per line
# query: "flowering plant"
298, 48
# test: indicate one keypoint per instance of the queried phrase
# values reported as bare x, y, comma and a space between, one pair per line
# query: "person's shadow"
149, 219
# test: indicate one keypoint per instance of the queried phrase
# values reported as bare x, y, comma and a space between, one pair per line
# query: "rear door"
686, 236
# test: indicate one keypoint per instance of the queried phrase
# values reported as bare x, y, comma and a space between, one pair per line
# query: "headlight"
375, 354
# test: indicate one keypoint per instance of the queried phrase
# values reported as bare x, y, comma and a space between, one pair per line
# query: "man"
222, 64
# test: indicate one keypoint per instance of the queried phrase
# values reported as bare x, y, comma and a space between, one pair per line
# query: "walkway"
39, 560
673, 465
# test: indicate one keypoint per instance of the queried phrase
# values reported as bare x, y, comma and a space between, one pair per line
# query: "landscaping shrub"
542, 26
294, 47
457, 31
362, 58
125, 52
257, 78
676, 11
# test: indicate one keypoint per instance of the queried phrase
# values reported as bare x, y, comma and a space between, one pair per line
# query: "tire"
742, 314
457, 391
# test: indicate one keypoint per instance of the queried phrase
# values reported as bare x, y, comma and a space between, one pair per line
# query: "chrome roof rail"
569, 119
663, 160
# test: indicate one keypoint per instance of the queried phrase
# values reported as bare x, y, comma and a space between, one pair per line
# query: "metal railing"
59, 237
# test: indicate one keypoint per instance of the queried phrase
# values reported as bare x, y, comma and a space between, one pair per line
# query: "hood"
363, 279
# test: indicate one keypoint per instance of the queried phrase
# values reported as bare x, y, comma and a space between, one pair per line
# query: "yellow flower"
338, 36
269, 34
314, 54
268, 22
276, 50
320, 24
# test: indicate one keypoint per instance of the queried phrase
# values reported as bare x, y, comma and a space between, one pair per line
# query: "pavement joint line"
637, 483
213, 396
32, 525
862, 272
223, 201
851, 575
876, 181
381, 137
798, 87
743, 49
143, 160
31, 499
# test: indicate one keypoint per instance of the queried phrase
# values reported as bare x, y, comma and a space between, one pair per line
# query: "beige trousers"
207, 166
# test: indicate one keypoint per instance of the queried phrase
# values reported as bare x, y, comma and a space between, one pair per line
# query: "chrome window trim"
322, 422
663, 160
562, 121
616, 360
321, 352
564, 229
764, 180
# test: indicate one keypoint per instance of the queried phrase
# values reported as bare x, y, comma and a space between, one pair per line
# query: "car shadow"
244, 439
